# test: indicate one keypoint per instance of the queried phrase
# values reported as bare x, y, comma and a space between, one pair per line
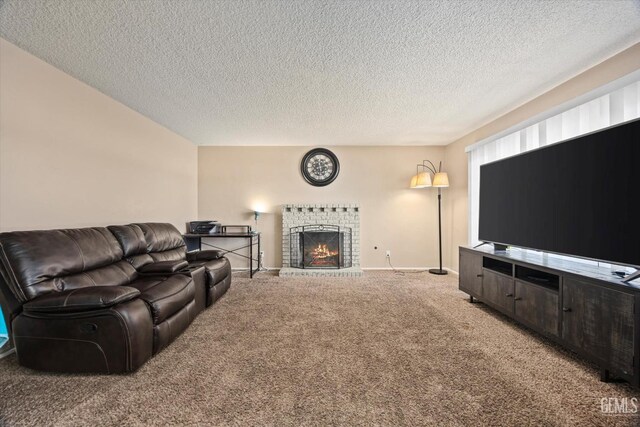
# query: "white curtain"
619, 105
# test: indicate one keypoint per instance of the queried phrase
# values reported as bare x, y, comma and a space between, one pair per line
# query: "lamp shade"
441, 179
414, 181
423, 180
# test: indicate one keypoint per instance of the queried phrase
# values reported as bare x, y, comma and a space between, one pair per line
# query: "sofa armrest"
163, 267
207, 255
81, 299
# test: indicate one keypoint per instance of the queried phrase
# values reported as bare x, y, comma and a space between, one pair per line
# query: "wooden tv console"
583, 308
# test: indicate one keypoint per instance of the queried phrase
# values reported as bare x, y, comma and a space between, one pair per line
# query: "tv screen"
580, 197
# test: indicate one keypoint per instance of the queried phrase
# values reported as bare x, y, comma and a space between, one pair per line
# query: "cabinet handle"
566, 309
509, 295
478, 275
517, 298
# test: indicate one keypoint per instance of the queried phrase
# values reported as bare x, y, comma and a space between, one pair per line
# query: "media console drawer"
599, 322
537, 306
471, 273
497, 289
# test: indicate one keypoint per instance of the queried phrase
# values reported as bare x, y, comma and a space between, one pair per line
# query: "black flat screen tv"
579, 197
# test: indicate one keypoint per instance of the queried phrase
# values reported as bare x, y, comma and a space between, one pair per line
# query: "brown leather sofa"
149, 243
77, 303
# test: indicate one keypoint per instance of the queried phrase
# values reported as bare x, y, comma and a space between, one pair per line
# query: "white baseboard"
365, 269
425, 269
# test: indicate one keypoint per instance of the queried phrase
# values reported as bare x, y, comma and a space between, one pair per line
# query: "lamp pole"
440, 180
439, 271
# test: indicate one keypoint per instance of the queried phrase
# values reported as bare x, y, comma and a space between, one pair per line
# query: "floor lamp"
422, 179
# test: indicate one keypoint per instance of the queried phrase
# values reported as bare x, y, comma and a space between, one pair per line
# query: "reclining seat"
165, 243
172, 298
84, 308
164, 246
73, 310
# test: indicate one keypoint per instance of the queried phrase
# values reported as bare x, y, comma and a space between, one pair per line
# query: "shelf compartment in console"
497, 265
538, 277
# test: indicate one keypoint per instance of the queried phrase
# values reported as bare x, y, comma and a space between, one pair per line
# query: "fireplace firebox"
320, 246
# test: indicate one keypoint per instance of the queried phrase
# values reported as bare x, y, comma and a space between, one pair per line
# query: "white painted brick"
345, 215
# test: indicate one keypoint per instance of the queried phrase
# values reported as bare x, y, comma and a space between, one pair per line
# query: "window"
620, 102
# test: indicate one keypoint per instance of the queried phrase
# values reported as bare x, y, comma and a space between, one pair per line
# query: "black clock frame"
309, 178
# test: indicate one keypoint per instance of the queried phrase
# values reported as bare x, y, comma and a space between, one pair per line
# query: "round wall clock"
320, 167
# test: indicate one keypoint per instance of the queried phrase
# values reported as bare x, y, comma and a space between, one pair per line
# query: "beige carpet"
381, 350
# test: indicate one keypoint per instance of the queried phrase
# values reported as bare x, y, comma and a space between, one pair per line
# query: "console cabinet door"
471, 273
537, 307
498, 290
599, 321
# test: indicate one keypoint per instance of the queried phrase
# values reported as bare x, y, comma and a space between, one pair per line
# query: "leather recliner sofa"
78, 304
146, 244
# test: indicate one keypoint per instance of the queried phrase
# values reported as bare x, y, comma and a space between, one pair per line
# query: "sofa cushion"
133, 243
217, 269
177, 254
93, 298
131, 239
118, 274
164, 267
32, 260
165, 296
167, 331
218, 290
161, 237
205, 255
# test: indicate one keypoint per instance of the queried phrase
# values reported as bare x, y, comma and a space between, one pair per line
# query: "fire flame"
322, 252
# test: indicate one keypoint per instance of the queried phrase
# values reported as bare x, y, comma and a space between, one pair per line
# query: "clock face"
320, 167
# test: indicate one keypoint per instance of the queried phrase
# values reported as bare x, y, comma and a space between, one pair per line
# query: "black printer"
203, 227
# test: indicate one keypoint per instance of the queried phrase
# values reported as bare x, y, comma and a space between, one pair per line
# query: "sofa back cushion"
131, 239
164, 241
133, 244
34, 263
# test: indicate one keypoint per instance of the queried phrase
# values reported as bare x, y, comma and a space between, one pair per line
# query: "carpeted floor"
381, 350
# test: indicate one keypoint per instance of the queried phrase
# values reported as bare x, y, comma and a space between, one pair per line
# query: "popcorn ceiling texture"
322, 72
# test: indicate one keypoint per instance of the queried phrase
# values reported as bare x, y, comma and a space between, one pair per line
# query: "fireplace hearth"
320, 259
320, 247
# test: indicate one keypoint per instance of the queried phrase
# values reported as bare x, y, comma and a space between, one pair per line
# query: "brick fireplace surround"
343, 215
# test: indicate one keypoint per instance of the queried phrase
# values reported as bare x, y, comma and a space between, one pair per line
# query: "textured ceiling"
322, 72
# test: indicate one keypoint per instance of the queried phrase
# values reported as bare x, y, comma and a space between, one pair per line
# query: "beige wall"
233, 179
72, 157
456, 158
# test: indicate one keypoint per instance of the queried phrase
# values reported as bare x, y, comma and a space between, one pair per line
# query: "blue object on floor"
4, 336
3, 327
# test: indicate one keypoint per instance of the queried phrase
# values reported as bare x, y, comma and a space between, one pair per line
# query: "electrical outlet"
388, 254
